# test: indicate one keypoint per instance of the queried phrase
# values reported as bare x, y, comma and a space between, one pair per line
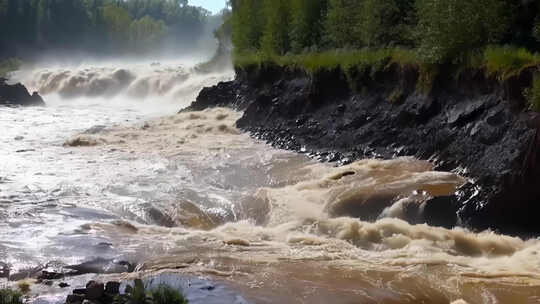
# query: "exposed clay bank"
476, 126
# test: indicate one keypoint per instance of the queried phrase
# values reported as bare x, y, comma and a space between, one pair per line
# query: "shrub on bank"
139, 294
533, 94
164, 294
448, 29
8, 296
508, 61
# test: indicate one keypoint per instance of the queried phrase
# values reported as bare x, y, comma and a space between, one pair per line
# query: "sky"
212, 5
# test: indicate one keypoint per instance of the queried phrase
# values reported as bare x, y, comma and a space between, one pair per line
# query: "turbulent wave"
318, 204
133, 81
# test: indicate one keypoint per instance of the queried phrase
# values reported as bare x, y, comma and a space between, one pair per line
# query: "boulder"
112, 288
94, 290
17, 94
441, 211
74, 299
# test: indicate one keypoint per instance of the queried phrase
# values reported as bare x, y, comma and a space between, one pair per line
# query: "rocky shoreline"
18, 95
475, 125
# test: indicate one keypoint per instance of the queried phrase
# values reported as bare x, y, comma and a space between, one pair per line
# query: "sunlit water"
103, 173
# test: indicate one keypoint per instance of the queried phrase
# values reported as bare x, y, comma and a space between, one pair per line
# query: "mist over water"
159, 82
110, 170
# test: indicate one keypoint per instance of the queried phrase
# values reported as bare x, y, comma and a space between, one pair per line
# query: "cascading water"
108, 170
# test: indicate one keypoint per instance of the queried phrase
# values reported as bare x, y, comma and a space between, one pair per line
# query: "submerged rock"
473, 126
17, 94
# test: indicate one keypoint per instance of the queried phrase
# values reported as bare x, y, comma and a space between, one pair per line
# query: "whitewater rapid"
102, 174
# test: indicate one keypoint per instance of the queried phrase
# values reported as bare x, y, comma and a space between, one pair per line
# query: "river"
108, 170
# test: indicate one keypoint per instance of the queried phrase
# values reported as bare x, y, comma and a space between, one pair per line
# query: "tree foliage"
387, 23
307, 25
248, 24
118, 22
275, 39
96, 25
439, 31
342, 23
448, 28
146, 32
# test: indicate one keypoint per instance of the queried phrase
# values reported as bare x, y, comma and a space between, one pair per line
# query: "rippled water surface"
102, 175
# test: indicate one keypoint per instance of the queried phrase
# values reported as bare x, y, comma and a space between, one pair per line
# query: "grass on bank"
9, 65
9, 296
502, 62
351, 62
507, 61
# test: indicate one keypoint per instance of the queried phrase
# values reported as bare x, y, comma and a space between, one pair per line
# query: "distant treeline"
438, 30
98, 26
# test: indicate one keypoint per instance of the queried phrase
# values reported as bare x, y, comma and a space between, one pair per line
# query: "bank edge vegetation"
499, 37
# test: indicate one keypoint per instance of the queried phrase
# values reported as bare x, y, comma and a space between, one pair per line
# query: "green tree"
248, 23
91, 24
342, 23
146, 32
449, 28
387, 22
275, 38
306, 27
118, 21
536, 28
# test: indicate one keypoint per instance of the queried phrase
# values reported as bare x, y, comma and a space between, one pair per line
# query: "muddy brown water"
189, 195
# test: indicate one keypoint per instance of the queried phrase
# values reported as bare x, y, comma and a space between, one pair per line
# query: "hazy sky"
212, 5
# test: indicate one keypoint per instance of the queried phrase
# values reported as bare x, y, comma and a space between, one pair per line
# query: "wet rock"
80, 291
96, 293
364, 207
50, 275
474, 124
4, 270
224, 95
208, 287
95, 129
94, 290
17, 94
26, 273
63, 285
74, 299
84, 141
101, 265
112, 288
441, 211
